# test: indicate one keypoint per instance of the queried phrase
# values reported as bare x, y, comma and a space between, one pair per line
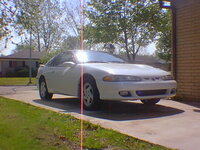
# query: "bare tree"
44, 18
71, 14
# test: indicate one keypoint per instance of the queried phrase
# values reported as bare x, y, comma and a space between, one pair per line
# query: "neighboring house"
186, 48
8, 64
150, 60
153, 61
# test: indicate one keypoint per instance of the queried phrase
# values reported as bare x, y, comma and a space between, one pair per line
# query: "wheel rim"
43, 89
88, 94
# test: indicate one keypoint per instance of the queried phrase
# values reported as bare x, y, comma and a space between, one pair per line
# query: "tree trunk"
38, 38
133, 48
126, 45
133, 57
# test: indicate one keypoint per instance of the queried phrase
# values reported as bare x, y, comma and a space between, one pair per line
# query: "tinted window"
94, 56
61, 58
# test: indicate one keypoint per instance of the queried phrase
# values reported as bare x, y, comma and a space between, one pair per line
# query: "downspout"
174, 41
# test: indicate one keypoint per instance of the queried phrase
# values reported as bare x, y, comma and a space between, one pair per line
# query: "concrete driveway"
171, 124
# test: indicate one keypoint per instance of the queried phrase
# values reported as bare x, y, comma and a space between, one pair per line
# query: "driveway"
171, 124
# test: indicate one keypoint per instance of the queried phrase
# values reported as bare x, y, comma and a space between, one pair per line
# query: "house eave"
19, 59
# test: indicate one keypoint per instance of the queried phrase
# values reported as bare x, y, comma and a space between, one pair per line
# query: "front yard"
16, 81
24, 126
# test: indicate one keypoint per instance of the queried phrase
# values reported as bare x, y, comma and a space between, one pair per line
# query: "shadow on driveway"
194, 104
115, 111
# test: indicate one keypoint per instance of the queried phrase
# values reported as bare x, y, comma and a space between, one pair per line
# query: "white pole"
30, 56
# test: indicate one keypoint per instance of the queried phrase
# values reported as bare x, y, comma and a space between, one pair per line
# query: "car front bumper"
136, 90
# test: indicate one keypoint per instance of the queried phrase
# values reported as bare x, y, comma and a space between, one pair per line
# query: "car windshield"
96, 57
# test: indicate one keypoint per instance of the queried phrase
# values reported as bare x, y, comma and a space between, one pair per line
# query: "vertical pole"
30, 57
174, 41
82, 78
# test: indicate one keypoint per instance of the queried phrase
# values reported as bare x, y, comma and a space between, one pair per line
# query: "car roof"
78, 50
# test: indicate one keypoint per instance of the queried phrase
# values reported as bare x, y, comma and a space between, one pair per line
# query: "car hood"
127, 69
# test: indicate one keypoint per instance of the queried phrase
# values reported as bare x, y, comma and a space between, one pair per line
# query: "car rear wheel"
43, 91
91, 94
150, 101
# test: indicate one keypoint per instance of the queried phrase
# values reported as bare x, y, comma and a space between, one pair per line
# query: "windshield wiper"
95, 62
116, 62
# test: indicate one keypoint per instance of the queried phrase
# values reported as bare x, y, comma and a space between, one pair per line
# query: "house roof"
146, 59
24, 55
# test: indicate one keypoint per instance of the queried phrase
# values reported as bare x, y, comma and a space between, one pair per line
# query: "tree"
51, 29
70, 43
43, 19
7, 11
28, 17
24, 47
164, 41
7, 15
163, 46
71, 14
131, 24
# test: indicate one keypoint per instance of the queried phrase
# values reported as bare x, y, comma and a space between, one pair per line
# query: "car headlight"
168, 77
121, 78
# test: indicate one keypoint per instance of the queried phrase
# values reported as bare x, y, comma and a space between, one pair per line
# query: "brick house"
186, 48
8, 64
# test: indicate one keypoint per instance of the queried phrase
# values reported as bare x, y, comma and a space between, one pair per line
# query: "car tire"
90, 94
150, 101
43, 90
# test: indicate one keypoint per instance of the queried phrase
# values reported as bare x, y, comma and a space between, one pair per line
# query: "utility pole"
30, 58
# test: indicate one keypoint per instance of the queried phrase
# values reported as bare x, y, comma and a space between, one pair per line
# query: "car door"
64, 75
50, 70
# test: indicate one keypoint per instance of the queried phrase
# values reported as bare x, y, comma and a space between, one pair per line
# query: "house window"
23, 64
10, 64
37, 64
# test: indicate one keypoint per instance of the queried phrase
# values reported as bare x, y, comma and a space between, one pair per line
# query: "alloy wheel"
43, 88
88, 94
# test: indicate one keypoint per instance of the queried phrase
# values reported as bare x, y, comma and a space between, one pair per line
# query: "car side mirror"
68, 64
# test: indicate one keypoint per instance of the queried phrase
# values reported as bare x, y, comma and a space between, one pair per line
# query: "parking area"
171, 124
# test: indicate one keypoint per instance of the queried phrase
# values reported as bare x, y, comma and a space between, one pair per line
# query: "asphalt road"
171, 124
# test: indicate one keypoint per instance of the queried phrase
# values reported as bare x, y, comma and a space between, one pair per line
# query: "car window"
61, 58
96, 57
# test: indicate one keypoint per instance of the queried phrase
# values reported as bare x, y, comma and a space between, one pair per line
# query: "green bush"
21, 72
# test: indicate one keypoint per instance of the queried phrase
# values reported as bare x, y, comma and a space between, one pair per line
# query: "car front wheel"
43, 91
150, 102
91, 94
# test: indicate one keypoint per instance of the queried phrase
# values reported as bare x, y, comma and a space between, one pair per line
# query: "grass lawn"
26, 127
16, 81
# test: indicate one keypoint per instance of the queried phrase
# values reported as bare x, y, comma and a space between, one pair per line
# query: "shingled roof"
25, 54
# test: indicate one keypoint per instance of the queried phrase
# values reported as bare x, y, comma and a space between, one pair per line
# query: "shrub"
21, 72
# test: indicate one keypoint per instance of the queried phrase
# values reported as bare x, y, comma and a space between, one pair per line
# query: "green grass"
16, 81
26, 127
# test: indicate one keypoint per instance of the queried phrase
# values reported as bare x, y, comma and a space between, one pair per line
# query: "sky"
10, 47
16, 39
150, 49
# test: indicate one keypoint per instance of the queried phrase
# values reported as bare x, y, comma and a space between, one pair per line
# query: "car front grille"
151, 92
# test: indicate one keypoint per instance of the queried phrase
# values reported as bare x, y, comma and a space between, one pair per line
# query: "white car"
105, 77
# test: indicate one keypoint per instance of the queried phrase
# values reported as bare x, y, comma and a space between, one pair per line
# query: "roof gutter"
174, 45
19, 59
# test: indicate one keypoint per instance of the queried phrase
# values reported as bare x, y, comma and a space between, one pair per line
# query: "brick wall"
188, 49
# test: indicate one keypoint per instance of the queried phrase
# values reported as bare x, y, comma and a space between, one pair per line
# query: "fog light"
173, 91
125, 93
